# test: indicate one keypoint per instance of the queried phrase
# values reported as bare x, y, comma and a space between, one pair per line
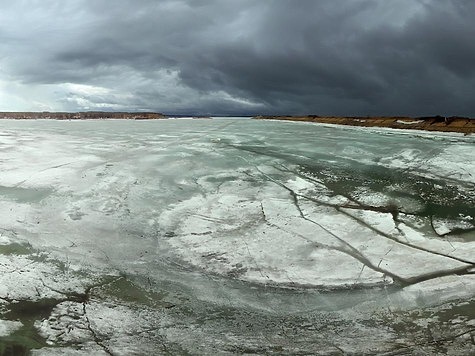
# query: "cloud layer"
239, 57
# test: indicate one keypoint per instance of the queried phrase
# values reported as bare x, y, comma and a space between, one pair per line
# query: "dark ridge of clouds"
364, 57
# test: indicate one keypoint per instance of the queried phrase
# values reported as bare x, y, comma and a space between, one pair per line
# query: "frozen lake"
235, 236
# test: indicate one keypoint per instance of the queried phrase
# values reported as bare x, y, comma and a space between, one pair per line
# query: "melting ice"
235, 236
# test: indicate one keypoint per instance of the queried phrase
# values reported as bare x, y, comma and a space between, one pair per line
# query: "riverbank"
435, 123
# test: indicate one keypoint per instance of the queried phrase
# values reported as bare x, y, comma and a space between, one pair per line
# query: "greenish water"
24, 195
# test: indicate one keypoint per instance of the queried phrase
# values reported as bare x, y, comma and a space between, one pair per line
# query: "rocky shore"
433, 123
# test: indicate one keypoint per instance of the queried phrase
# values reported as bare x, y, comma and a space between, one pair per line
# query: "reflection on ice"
234, 236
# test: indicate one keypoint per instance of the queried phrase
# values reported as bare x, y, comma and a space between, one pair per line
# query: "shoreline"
452, 124
87, 115
436, 123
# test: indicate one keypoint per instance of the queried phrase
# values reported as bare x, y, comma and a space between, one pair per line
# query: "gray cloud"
230, 57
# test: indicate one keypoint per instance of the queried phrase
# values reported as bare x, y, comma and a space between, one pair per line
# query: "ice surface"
234, 236
8, 327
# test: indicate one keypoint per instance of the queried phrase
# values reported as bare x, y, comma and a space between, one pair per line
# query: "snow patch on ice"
433, 292
8, 327
268, 242
24, 277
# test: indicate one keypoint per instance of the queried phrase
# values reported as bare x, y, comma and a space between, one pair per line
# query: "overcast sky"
341, 57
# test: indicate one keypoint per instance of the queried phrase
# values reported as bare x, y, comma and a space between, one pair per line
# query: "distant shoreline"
434, 123
87, 115
93, 115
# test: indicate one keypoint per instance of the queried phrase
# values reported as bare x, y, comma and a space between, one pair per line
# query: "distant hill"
87, 115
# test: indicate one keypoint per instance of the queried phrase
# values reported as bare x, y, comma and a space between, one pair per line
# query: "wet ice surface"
234, 236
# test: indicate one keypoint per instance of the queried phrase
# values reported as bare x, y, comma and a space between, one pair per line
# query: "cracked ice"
234, 236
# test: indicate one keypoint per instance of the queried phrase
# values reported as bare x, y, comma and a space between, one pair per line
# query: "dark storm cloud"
282, 56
